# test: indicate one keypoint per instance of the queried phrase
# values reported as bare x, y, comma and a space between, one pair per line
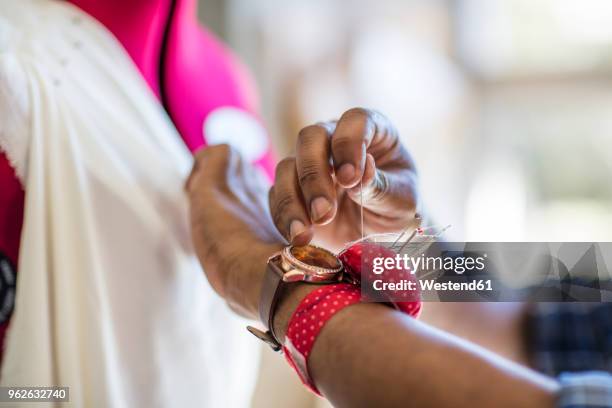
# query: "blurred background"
505, 105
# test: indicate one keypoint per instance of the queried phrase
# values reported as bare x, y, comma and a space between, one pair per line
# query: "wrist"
313, 313
287, 305
244, 283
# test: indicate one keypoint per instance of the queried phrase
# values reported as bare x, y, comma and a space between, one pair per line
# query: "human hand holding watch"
234, 238
234, 233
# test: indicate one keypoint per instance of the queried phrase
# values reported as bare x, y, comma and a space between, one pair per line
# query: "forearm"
243, 290
370, 355
496, 326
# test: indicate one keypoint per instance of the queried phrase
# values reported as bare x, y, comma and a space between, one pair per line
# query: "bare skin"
367, 141
367, 355
317, 192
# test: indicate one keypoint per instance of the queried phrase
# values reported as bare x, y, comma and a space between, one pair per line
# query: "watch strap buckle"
266, 337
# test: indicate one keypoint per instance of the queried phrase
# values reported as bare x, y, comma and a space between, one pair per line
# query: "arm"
367, 355
371, 355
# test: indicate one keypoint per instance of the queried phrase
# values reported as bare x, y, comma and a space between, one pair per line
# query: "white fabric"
228, 124
110, 299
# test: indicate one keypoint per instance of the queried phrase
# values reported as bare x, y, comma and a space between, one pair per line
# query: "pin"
418, 229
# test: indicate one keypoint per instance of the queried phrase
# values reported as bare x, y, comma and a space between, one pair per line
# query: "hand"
231, 228
318, 190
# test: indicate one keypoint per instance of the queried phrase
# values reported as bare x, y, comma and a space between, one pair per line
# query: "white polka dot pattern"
322, 304
308, 320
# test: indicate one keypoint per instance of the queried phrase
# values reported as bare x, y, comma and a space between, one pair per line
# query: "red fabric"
308, 320
360, 256
319, 306
11, 210
11, 220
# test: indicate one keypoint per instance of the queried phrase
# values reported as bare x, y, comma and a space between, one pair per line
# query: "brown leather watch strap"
271, 291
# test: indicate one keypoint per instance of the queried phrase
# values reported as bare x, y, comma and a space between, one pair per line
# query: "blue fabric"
573, 341
571, 337
585, 390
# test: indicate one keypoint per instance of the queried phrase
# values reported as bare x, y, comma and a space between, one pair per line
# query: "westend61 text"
431, 284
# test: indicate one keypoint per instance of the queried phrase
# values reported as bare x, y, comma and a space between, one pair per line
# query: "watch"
292, 264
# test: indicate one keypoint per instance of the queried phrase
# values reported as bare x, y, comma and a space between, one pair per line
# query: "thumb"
388, 193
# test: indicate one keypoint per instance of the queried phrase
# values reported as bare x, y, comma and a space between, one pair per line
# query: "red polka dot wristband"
310, 317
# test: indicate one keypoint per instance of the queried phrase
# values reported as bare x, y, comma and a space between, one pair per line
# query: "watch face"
316, 257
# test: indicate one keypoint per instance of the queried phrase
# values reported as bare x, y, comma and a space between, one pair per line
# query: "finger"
390, 192
287, 206
315, 173
369, 183
215, 160
370, 171
353, 134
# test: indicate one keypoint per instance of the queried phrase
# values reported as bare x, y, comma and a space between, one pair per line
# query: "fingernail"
319, 208
296, 228
346, 173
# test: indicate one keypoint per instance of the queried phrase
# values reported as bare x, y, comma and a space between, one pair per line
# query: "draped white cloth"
110, 300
